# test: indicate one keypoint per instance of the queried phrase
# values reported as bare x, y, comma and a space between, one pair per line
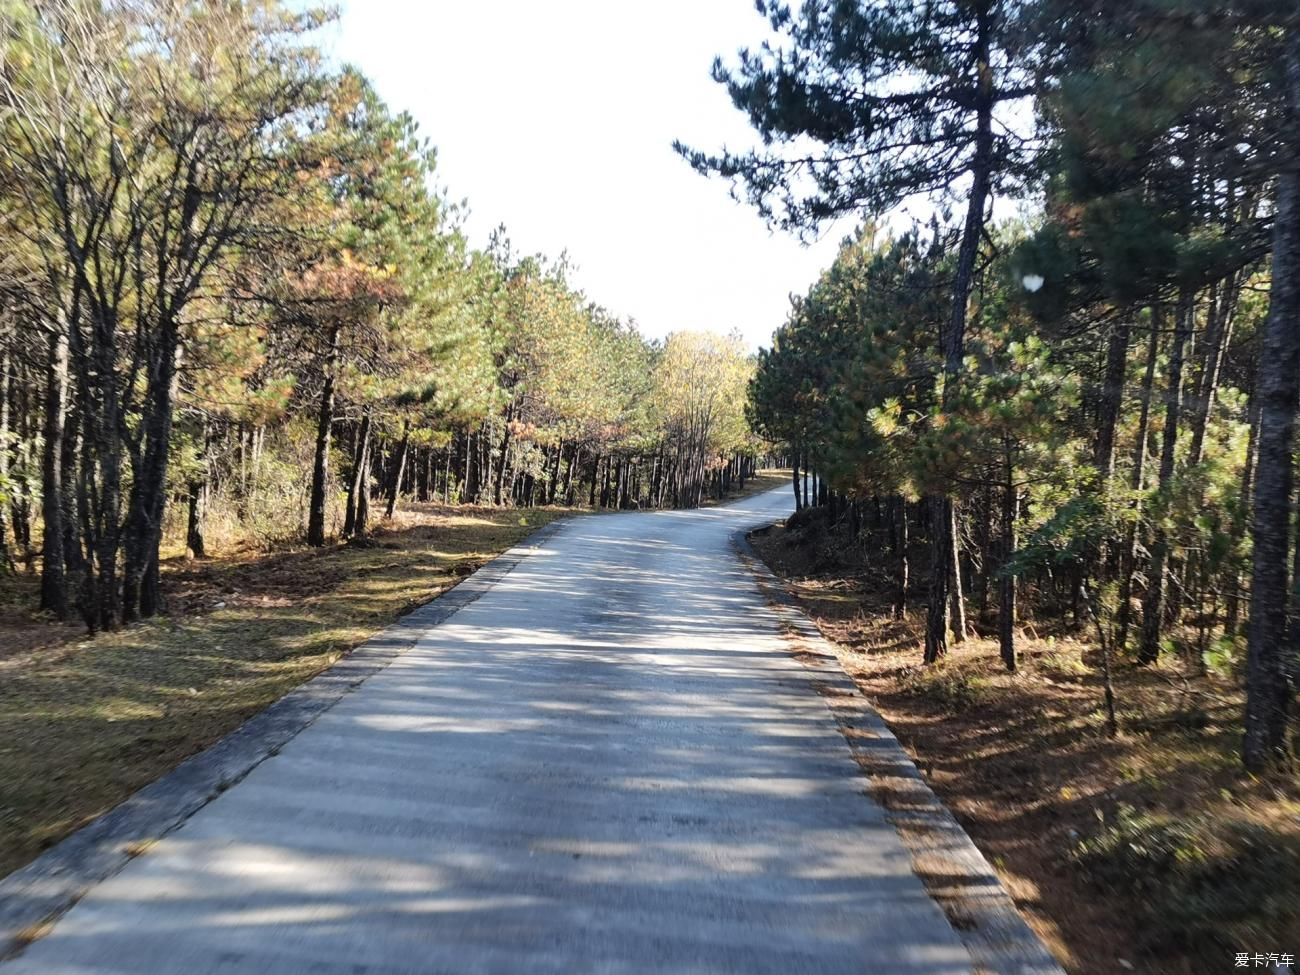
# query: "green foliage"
1199, 882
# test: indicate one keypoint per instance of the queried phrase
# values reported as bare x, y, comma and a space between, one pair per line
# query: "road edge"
972, 897
34, 897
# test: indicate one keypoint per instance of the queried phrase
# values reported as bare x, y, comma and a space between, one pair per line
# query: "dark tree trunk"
952, 337
1112, 398
324, 427
399, 469
957, 594
937, 612
1129, 562
1216, 344
141, 593
901, 543
1268, 690
198, 502
357, 480
501, 460
6, 556
1232, 614
1007, 581
54, 598
798, 497
1153, 604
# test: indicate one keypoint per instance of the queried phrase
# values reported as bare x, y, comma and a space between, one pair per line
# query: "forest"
236, 303
1082, 410
1040, 412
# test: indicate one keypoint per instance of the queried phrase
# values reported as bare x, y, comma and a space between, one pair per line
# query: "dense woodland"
1089, 408
235, 302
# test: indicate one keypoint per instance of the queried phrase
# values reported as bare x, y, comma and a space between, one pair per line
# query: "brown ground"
1024, 763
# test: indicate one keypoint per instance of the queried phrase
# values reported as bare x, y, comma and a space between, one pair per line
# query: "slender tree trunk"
1268, 690
1153, 605
324, 427
6, 556
794, 464
198, 501
357, 480
1007, 581
501, 460
399, 468
1112, 398
54, 597
1232, 614
141, 585
952, 337
1217, 339
941, 547
1125, 609
901, 543
955, 583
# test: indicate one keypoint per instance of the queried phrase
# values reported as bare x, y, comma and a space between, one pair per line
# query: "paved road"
607, 763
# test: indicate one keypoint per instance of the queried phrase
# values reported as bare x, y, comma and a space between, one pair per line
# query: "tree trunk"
937, 618
198, 503
1232, 614
141, 594
357, 480
54, 598
1268, 690
6, 557
1129, 566
324, 427
901, 543
952, 337
798, 498
1112, 398
958, 597
1007, 581
501, 460
1217, 339
399, 469
1153, 604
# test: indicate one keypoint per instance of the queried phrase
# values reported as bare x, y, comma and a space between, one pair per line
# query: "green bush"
950, 687
1214, 883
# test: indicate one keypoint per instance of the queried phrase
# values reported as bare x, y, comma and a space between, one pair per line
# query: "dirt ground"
1149, 852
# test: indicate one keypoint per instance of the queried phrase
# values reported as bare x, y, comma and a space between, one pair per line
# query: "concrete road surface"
608, 763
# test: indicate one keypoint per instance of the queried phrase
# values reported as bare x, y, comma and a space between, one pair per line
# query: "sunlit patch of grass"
85, 723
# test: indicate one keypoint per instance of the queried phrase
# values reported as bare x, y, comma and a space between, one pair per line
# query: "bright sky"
557, 119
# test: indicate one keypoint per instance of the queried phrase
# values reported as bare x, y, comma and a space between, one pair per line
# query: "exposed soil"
1024, 763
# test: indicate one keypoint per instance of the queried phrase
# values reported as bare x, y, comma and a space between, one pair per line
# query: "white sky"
557, 119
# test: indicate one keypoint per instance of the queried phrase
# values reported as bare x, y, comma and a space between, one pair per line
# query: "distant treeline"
227, 279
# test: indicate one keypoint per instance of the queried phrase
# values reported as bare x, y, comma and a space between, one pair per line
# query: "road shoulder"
943, 856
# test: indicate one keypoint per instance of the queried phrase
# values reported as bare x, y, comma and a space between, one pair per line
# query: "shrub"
1209, 882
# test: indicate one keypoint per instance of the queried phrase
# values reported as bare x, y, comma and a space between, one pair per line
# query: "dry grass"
1152, 850
83, 724
760, 482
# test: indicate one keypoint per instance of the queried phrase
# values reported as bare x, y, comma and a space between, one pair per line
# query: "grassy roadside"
760, 482
1151, 852
83, 724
